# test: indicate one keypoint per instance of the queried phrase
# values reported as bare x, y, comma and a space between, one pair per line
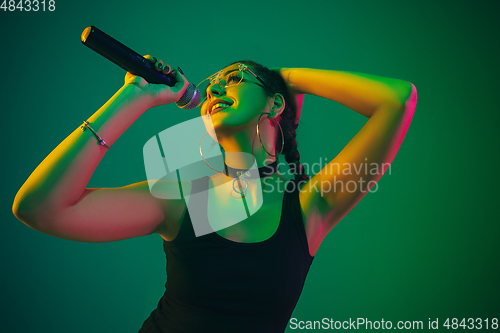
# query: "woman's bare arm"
389, 105
55, 200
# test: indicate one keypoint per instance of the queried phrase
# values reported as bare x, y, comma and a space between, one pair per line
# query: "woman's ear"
278, 105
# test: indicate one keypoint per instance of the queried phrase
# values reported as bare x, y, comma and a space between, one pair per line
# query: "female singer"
247, 275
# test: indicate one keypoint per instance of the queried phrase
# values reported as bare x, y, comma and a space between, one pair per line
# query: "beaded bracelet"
100, 141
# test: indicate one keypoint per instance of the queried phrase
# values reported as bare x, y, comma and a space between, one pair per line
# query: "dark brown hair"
275, 82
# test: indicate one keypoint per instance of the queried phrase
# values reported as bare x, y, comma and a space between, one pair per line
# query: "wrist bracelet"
100, 141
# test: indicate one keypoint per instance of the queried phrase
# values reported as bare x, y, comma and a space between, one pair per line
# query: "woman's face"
237, 105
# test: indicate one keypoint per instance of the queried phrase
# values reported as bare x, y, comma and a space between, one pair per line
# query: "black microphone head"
190, 99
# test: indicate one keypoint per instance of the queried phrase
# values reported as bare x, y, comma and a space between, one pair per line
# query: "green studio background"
424, 245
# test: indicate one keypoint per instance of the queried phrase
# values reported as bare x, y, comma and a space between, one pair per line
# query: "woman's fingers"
181, 82
157, 62
167, 69
160, 65
162, 94
151, 58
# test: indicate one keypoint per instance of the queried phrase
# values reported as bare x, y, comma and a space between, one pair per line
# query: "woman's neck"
245, 161
244, 151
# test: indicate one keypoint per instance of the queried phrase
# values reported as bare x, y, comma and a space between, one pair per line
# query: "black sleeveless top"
218, 285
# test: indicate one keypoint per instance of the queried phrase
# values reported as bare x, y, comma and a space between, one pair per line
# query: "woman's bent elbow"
27, 212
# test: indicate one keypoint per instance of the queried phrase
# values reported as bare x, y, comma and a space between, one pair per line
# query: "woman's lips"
219, 105
218, 109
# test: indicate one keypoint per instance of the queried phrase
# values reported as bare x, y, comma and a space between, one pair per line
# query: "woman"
245, 275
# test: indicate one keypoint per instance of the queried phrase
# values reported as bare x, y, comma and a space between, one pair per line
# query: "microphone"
136, 64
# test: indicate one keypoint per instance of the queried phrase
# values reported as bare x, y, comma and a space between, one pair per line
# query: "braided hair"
287, 119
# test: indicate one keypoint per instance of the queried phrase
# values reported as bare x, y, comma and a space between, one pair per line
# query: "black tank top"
218, 285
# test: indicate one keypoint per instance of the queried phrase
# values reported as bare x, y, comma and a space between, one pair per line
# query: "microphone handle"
124, 57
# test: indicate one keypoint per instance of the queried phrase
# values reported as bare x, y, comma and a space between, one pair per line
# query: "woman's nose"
215, 90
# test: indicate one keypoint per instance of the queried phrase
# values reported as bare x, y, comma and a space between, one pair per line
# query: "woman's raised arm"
343, 182
55, 200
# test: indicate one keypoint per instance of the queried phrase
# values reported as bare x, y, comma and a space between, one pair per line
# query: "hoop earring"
201, 153
260, 139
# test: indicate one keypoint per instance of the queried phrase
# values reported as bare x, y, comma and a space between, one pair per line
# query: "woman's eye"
233, 79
